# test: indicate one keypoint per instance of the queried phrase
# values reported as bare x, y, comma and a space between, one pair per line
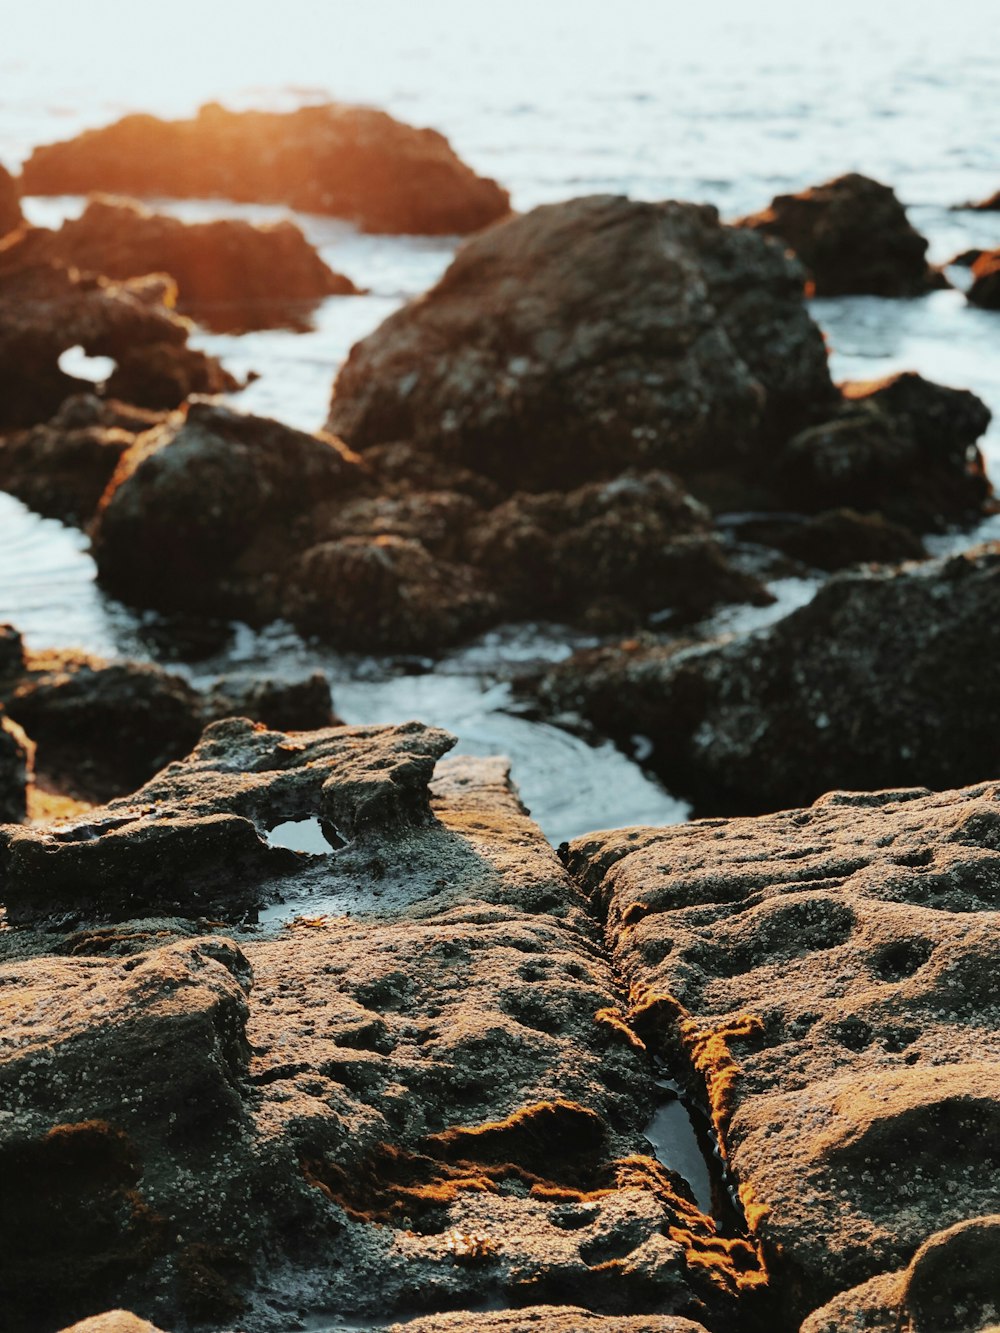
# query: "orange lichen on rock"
613, 1019
538, 1137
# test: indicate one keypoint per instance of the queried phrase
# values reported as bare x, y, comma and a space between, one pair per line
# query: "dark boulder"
883, 680
588, 337
985, 289
839, 538
351, 162
231, 275
853, 236
16, 769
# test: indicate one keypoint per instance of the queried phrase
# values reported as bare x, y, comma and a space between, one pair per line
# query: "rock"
853, 236
350, 162
626, 335
902, 445
824, 977
964, 258
113, 1321
10, 204
46, 309
281, 705
990, 204
429, 1101
840, 538
876, 683
206, 510
231, 275
609, 554
16, 769
62, 468
985, 289
541, 1319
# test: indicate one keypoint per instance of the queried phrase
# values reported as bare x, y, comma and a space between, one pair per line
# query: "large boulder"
352, 162
10, 203
591, 336
881, 680
826, 978
231, 275
853, 236
985, 289
46, 309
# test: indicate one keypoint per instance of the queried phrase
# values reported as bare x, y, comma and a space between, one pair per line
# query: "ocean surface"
730, 104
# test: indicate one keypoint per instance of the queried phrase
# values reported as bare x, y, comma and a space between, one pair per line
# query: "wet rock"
62, 468
609, 553
852, 234
903, 446
840, 538
281, 705
626, 334
988, 205
417, 1105
985, 289
350, 162
546, 1319
206, 511
47, 309
16, 768
10, 203
875, 683
231, 275
824, 976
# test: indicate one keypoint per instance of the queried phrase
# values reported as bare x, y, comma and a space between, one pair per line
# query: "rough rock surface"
546, 1319
10, 204
620, 334
113, 1321
231, 275
985, 289
234, 515
46, 309
852, 234
876, 682
351, 162
828, 978
903, 446
421, 1096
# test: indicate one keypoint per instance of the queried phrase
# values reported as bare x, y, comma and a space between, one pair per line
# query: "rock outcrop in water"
10, 203
231, 275
431, 1102
878, 682
46, 309
234, 515
853, 236
351, 162
592, 336
985, 289
827, 976
16, 765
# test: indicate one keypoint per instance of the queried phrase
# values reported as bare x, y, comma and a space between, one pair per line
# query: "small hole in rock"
313, 835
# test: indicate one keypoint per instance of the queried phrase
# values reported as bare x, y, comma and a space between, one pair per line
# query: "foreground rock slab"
875, 682
853, 236
428, 1103
827, 976
351, 162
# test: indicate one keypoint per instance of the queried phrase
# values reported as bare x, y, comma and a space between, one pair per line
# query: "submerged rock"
431, 1102
10, 203
985, 289
852, 234
231, 275
352, 162
621, 334
47, 309
877, 682
826, 976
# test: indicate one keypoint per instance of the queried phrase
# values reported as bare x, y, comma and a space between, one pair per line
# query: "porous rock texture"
241, 516
853, 236
46, 309
876, 682
352, 162
590, 336
231, 275
985, 289
422, 1097
828, 977
10, 203
546, 1319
